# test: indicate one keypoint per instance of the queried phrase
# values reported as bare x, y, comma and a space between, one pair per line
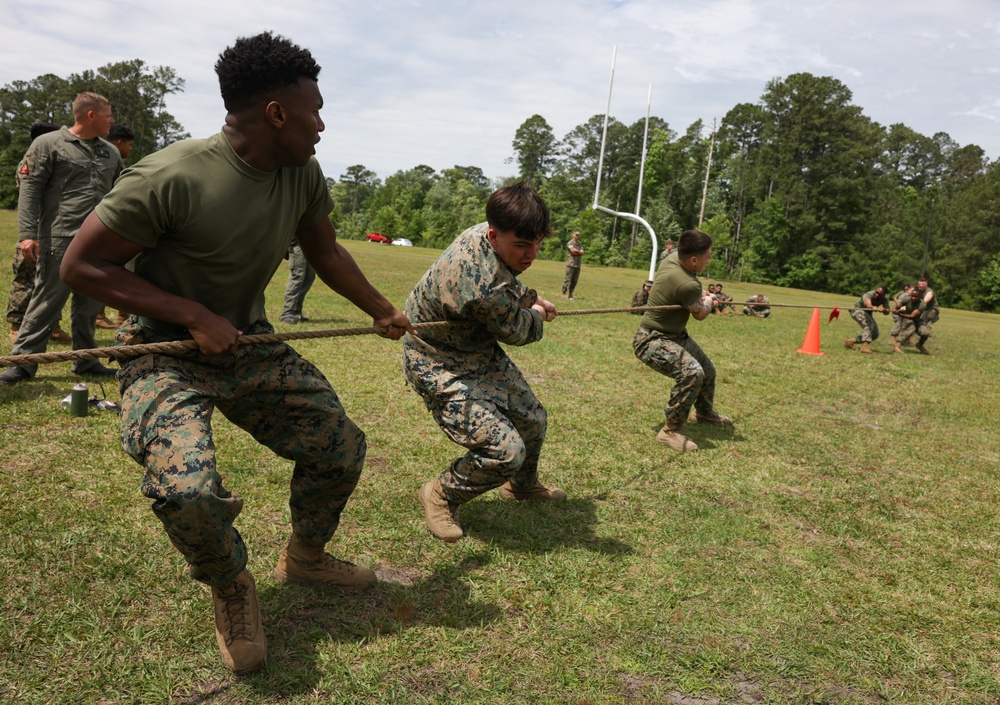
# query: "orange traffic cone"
810, 346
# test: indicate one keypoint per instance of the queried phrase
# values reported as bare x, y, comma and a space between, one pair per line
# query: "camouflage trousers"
906, 328
869, 328
682, 359
927, 319
570, 279
21, 287
503, 437
282, 400
897, 325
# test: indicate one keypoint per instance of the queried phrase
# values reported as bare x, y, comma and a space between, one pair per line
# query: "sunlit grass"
838, 546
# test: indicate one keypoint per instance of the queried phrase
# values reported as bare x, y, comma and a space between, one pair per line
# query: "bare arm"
337, 268
94, 265
703, 308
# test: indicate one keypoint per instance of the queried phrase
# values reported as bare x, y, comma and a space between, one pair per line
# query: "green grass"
838, 546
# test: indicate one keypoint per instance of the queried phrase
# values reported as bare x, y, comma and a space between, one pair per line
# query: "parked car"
378, 237
402, 242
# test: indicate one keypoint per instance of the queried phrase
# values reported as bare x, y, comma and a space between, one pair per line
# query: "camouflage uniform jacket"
639, 299
469, 283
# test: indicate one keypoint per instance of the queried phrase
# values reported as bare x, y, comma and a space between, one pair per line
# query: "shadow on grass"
539, 527
301, 623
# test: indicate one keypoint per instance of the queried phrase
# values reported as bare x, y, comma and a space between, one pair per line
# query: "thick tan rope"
182, 347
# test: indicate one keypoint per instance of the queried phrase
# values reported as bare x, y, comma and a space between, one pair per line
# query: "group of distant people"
757, 305
916, 311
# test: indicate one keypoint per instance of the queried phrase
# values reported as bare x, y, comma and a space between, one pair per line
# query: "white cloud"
448, 82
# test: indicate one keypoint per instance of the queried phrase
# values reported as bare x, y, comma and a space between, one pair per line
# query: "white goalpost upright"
634, 217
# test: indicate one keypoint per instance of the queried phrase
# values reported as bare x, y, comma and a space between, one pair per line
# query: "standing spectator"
23, 283
66, 174
210, 220
472, 388
874, 300
301, 276
122, 138
662, 341
930, 315
640, 297
759, 306
572, 265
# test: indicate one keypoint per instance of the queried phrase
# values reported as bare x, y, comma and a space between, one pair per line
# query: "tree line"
799, 189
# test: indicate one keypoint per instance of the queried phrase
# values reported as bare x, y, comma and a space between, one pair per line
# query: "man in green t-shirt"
209, 221
930, 315
909, 313
662, 341
861, 312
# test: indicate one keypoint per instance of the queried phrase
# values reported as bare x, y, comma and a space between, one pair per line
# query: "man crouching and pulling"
474, 391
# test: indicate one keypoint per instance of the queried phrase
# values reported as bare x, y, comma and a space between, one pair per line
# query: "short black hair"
693, 243
259, 65
120, 132
520, 209
41, 128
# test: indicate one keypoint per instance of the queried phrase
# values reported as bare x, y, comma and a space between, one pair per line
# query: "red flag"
835, 313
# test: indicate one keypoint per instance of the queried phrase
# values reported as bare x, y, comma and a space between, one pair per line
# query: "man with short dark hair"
209, 221
662, 341
122, 138
473, 389
65, 174
861, 312
908, 312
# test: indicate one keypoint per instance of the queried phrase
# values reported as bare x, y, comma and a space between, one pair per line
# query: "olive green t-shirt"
214, 228
672, 285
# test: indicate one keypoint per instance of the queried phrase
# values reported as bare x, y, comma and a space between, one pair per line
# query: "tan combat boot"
713, 417
896, 347
538, 493
921, 348
311, 565
849, 343
238, 627
61, 336
13, 333
440, 514
866, 349
674, 437
103, 322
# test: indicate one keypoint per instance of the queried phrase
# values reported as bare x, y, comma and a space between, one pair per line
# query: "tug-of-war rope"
182, 347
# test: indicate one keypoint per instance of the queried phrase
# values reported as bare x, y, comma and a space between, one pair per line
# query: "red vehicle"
378, 237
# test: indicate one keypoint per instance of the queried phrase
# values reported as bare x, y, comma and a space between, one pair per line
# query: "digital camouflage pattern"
640, 298
474, 391
679, 357
927, 319
897, 322
21, 288
760, 309
282, 400
869, 328
908, 326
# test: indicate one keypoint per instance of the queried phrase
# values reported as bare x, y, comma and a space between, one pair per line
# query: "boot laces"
235, 611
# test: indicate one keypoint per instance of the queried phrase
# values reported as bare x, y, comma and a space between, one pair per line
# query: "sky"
448, 82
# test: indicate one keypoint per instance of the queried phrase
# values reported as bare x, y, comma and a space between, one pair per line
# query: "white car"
402, 242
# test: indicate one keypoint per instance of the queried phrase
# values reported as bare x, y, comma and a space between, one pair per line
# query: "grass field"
838, 546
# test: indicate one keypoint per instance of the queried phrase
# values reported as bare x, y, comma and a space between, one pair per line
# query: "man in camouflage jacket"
474, 391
